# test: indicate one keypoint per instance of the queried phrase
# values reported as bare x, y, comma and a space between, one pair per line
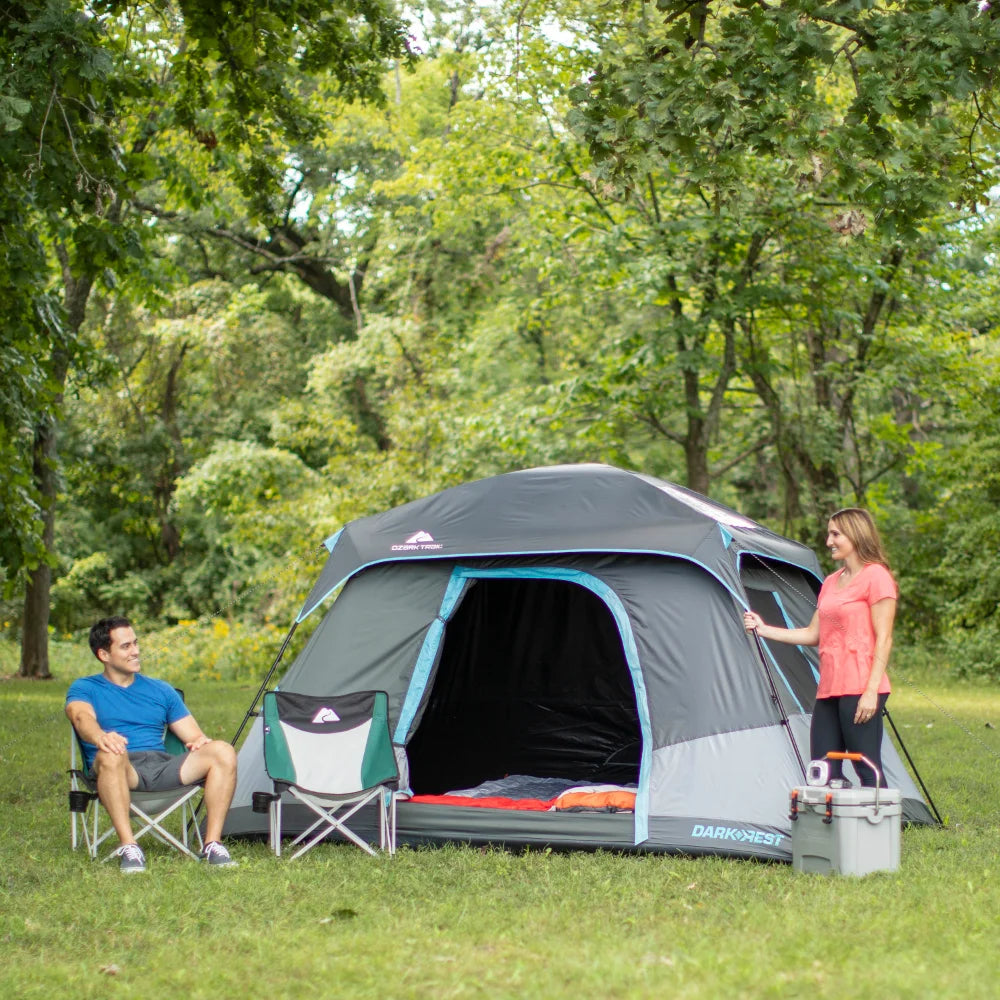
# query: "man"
120, 716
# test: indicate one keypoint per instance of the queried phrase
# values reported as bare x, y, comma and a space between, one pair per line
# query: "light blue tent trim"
453, 592
427, 655
332, 540
727, 539
790, 624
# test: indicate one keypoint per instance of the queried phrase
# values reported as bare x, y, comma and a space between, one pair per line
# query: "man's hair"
859, 526
100, 632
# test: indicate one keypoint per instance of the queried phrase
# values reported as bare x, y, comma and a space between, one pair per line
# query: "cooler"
846, 831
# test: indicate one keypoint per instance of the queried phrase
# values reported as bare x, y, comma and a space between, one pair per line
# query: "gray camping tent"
580, 623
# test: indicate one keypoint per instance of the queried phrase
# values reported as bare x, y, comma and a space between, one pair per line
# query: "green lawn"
464, 922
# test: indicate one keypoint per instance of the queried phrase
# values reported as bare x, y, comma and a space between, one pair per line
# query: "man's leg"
215, 763
115, 779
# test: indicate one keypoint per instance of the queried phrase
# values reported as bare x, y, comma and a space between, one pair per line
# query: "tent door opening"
532, 678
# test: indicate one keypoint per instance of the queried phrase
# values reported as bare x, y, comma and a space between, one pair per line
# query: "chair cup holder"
79, 801
262, 801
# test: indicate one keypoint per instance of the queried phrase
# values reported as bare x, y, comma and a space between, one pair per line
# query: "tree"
749, 135
89, 91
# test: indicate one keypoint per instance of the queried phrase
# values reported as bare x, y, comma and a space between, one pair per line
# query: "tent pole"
913, 767
263, 687
776, 698
250, 713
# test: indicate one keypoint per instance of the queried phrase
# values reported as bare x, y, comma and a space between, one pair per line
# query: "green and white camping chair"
91, 826
335, 756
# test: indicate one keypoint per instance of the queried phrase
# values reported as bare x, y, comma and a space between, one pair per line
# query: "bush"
214, 649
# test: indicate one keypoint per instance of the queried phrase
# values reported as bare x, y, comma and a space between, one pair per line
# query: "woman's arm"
883, 616
808, 636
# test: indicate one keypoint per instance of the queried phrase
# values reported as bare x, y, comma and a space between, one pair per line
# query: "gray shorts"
158, 771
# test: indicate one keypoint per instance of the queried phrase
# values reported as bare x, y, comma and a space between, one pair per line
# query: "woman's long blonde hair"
859, 526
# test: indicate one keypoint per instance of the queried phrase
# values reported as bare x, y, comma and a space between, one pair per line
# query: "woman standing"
853, 628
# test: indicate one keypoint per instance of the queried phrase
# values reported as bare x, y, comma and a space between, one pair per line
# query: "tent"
573, 626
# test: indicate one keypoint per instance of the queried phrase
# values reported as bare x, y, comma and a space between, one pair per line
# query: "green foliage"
92, 588
234, 511
777, 168
966, 581
862, 89
97, 102
57, 158
742, 246
213, 650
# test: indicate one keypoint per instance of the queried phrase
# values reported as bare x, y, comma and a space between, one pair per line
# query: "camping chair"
150, 808
335, 756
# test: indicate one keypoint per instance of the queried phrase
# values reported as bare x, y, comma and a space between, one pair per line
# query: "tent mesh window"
771, 589
532, 679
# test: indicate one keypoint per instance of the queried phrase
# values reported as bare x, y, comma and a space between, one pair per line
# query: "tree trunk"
35, 625
35, 632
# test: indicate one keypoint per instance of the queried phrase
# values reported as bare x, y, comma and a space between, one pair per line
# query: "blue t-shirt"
139, 712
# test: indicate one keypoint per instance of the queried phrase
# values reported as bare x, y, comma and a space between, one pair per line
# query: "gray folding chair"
335, 756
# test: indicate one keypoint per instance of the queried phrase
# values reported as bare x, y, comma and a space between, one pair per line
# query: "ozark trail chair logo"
421, 541
325, 715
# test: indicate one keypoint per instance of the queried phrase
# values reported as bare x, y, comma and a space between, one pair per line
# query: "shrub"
213, 649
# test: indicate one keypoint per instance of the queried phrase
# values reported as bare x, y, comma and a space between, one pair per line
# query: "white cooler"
845, 831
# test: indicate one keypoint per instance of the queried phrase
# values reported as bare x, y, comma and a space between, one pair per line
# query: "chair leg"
383, 823
342, 830
164, 836
387, 822
94, 840
327, 815
192, 821
276, 826
392, 823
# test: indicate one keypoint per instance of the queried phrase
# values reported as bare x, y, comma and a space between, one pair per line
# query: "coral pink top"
846, 634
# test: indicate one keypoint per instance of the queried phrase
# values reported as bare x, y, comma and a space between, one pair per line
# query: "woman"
853, 628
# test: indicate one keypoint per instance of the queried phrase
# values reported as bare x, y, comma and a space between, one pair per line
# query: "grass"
465, 922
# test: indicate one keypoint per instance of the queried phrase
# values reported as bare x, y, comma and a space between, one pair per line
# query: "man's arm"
83, 718
189, 733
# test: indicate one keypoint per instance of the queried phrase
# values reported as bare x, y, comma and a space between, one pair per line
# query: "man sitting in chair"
120, 716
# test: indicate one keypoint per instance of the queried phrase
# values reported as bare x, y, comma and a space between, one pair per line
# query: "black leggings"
834, 728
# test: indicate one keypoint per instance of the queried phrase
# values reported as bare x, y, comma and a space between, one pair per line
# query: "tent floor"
419, 824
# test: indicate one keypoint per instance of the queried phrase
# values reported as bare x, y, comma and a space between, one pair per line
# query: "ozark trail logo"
420, 541
325, 715
419, 538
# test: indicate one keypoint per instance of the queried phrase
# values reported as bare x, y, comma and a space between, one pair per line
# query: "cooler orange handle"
837, 755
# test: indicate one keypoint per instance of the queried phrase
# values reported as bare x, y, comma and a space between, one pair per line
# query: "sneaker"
215, 854
131, 858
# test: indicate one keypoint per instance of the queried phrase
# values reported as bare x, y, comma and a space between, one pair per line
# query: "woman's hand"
752, 621
867, 707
